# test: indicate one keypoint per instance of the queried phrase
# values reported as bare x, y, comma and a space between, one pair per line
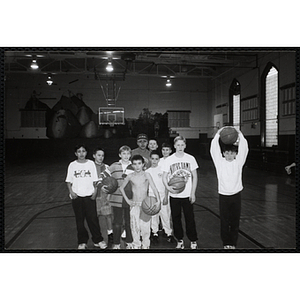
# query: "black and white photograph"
149, 150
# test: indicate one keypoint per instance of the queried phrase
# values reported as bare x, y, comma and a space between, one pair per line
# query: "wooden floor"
39, 216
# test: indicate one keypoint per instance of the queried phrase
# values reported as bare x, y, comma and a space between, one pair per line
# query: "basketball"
178, 183
148, 206
111, 184
228, 135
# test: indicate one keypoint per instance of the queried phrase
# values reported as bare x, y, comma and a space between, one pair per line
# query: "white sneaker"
229, 247
82, 246
116, 246
180, 244
101, 245
129, 246
194, 245
123, 235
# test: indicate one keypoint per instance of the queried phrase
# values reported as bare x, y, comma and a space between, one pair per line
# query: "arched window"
270, 116
234, 104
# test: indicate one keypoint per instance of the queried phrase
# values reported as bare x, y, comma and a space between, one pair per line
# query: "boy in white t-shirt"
183, 165
81, 180
164, 213
229, 161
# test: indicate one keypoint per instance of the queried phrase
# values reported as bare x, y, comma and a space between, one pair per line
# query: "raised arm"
215, 151
243, 149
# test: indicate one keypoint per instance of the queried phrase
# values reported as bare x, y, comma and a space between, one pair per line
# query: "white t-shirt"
156, 174
181, 166
82, 176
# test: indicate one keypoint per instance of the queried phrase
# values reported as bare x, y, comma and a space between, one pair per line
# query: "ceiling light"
49, 80
34, 64
168, 83
109, 67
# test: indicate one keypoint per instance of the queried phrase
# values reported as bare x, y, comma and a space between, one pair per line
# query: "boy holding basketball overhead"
119, 170
182, 166
139, 221
229, 160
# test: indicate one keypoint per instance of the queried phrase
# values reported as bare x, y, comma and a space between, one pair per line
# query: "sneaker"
180, 244
123, 235
144, 247
116, 246
194, 245
170, 239
82, 246
155, 239
101, 245
229, 247
129, 246
110, 238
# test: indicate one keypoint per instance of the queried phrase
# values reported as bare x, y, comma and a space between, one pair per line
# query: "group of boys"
141, 173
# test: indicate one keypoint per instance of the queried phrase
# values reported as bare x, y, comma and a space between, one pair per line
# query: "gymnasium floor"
39, 216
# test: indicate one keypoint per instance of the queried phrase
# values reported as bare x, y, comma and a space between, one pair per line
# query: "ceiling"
161, 63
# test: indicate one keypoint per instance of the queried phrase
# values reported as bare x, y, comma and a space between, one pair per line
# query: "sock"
109, 231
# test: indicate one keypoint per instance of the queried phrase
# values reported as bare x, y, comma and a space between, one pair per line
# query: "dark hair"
228, 147
156, 152
166, 145
138, 157
98, 149
153, 139
79, 146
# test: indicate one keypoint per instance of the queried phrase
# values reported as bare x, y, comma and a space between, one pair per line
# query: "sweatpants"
120, 214
140, 227
85, 209
165, 216
178, 204
230, 212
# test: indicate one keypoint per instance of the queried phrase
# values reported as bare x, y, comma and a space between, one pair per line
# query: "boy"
142, 142
121, 211
166, 151
140, 222
229, 164
102, 204
152, 145
164, 213
81, 179
185, 165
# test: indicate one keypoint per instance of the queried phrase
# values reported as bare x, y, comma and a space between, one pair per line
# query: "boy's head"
125, 153
166, 149
142, 141
98, 155
154, 157
152, 144
80, 151
229, 151
138, 162
179, 143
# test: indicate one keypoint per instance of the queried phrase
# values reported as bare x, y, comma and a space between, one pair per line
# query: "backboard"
111, 115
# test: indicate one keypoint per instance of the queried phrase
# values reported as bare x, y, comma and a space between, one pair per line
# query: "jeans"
178, 204
120, 214
85, 209
230, 212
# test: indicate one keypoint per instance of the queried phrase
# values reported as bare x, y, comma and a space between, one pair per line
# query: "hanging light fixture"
168, 83
34, 65
49, 79
109, 67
